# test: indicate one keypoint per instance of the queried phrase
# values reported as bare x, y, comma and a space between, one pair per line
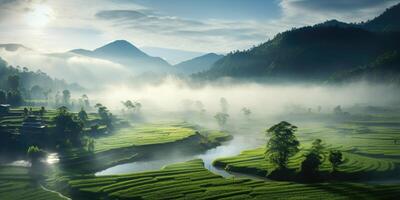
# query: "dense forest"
314, 53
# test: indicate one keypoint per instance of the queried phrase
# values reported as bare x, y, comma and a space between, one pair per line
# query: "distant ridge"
125, 53
315, 53
198, 64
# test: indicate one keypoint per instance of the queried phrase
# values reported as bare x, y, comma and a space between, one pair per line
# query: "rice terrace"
224, 99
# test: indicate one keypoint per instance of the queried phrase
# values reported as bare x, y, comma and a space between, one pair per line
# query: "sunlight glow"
39, 16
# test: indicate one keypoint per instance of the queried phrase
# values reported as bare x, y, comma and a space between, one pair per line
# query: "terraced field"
190, 180
15, 183
14, 119
147, 134
141, 141
368, 149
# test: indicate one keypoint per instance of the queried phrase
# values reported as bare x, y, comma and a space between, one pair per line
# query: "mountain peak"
121, 43
120, 48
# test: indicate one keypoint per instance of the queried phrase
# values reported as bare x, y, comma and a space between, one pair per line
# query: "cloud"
308, 12
218, 33
339, 5
88, 72
120, 14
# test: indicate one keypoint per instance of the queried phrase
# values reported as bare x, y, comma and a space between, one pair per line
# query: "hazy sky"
193, 25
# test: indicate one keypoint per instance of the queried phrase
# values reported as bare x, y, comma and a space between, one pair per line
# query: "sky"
205, 26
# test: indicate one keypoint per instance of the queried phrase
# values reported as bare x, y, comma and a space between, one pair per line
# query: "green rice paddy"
190, 180
15, 183
368, 149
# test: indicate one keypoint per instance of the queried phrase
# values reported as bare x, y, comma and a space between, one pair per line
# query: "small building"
4, 109
32, 125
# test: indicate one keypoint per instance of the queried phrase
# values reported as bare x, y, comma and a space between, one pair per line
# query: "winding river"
230, 148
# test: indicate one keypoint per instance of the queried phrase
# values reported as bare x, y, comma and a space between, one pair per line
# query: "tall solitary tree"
282, 144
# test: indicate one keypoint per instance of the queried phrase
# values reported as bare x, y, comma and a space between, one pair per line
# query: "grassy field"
15, 183
190, 180
368, 149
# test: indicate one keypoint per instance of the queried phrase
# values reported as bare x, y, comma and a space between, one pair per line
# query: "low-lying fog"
110, 83
175, 95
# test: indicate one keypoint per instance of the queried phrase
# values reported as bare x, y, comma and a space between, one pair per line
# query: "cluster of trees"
132, 106
17, 84
68, 127
283, 144
105, 115
13, 95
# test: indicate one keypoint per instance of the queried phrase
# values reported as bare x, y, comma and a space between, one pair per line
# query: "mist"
175, 95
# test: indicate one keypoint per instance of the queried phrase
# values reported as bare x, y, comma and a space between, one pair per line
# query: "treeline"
315, 53
18, 84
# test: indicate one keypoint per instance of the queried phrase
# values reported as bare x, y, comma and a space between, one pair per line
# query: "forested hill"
385, 69
313, 53
30, 84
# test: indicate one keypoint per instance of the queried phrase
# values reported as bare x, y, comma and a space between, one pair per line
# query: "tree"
246, 111
90, 145
128, 104
312, 161
132, 105
66, 97
85, 100
338, 110
82, 115
46, 95
335, 158
105, 115
221, 118
26, 112
14, 98
67, 127
37, 92
13, 82
34, 155
282, 144
224, 105
3, 97
42, 111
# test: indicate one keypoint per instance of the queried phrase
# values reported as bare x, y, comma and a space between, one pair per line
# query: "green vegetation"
16, 183
317, 53
147, 134
190, 180
140, 142
282, 145
367, 150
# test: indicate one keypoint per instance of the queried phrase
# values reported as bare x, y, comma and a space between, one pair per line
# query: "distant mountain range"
317, 53
198, 64
123, 52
